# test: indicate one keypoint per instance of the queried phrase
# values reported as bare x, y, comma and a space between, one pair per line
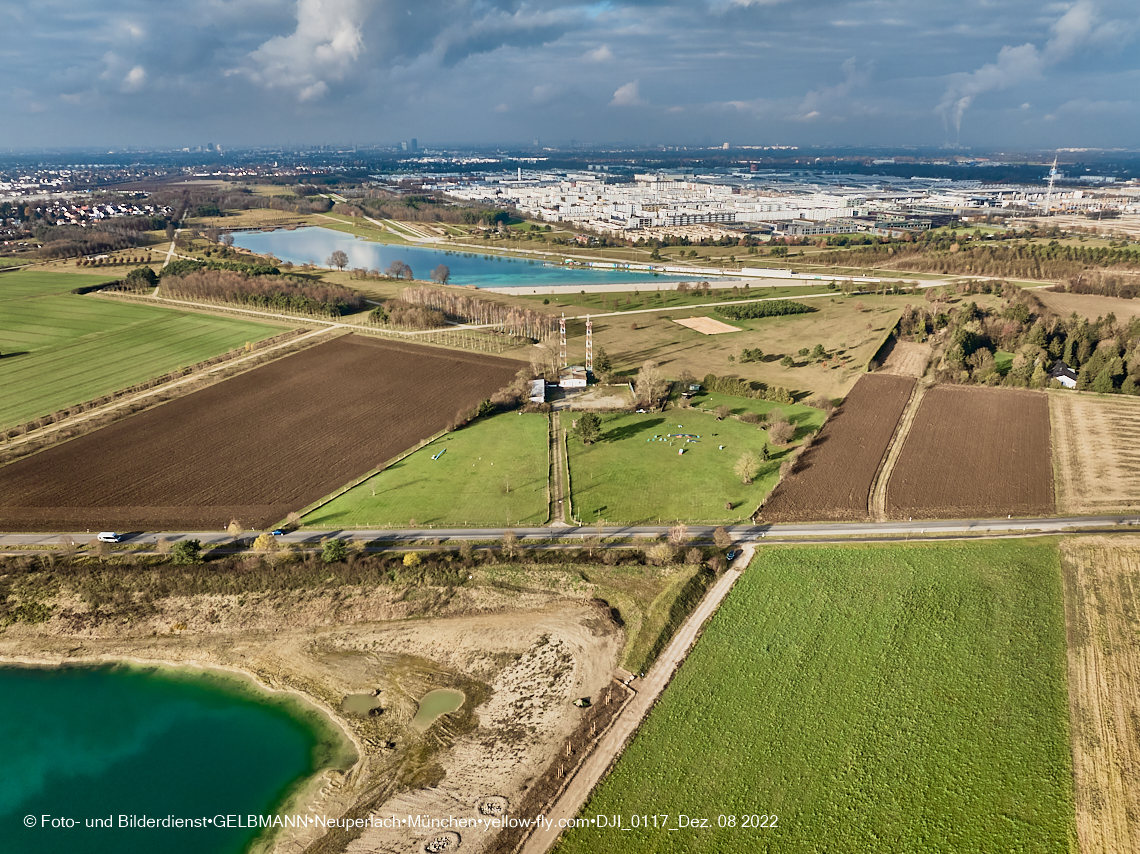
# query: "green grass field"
493, 472
874, 699
628, 477
60, 348
669, 298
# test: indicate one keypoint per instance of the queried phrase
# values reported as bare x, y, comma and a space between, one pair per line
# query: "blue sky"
985, 73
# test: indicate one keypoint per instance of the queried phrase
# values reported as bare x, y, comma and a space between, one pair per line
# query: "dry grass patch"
706, 325
1101, 602
1095, 452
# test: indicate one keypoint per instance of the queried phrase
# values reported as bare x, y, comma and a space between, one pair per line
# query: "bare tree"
722, 538
510, 542
660, 554
338, 259
747, 466
235, 529
399, 270
650, 383
678, 534
693, 556
781, 432
227, 240
441, 274
293, 520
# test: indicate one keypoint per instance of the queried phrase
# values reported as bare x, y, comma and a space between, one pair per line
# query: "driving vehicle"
109, 537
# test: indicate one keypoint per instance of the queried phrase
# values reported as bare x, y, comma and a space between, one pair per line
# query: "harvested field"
1101, 600
837, 472
253, 448
975, 452
907, 359
1095, 452
706, 325
1091, 306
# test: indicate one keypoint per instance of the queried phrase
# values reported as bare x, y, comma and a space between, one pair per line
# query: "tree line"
522, 322
269, 292
766, 308
1024, 261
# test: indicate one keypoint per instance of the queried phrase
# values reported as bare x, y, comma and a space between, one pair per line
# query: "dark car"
732, 553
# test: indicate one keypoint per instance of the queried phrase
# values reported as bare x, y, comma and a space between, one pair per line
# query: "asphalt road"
925, 529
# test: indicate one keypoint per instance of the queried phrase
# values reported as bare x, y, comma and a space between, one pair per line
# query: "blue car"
279, 532
732, 554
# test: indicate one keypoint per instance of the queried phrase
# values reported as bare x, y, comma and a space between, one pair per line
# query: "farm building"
538, 390
1063, 374
690, 390
573, 376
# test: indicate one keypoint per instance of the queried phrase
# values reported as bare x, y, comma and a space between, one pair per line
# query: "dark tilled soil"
837, 471
254, 447
975, 453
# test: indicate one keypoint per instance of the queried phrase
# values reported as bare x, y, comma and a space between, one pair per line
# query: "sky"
987, 74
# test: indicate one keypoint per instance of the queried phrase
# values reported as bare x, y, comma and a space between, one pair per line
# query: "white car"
108, 537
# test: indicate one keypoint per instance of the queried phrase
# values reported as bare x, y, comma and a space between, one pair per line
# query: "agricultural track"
254, 447
877, 508
838, 471
975, 452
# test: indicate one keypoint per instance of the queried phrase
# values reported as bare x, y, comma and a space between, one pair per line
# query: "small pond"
441, 701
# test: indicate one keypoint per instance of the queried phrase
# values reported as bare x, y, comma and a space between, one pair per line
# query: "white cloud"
599, 54
135, 79
324, 47
627, 95
829, 99
1074, 30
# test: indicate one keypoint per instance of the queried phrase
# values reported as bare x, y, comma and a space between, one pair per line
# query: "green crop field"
493, 472
872, 698
59, 348
629, 477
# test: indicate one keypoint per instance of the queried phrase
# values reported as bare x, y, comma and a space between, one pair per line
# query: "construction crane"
1049, 194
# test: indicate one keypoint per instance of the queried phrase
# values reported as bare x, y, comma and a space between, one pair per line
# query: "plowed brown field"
834, 483
975, 452
254, 447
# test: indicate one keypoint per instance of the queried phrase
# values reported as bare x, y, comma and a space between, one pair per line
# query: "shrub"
335, 551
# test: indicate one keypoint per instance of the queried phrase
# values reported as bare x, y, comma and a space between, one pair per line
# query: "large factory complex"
783, 204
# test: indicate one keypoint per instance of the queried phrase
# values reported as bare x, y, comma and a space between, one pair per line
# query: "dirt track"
839, 469
254, 447
610, 747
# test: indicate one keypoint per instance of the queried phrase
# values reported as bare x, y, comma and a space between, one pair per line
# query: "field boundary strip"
877, 506
207, 372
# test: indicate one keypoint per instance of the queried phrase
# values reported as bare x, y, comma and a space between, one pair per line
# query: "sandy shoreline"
519, 668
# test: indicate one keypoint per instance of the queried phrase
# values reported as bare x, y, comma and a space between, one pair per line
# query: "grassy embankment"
628, 477
61, 349
901, 698
491, 473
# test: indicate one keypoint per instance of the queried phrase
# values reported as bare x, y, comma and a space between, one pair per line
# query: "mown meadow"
58, 349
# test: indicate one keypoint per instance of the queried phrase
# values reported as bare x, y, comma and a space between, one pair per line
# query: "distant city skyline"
979, 74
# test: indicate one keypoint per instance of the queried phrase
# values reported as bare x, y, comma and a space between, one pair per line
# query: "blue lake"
315, 245
84, 743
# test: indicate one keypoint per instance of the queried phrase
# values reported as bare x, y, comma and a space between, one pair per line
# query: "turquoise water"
315, 245
86, 743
